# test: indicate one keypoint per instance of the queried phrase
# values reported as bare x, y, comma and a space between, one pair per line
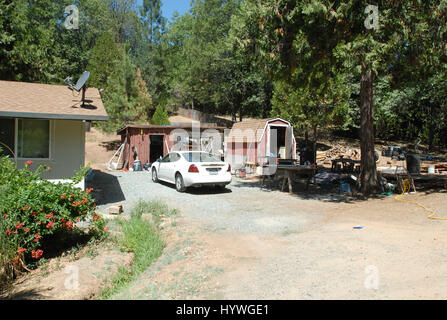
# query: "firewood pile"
439, 166
338, 152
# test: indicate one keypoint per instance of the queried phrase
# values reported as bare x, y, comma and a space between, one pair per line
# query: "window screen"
33, 139
7, 137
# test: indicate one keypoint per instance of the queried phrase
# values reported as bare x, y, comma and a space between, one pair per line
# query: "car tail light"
193, 168
229, 168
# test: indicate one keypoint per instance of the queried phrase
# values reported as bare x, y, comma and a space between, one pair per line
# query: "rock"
148, 217
117, 209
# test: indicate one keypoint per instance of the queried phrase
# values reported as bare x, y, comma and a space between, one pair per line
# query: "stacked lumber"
439, 166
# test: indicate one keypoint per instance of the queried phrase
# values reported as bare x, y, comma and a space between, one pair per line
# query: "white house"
46, 124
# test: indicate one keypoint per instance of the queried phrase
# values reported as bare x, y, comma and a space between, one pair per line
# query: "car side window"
166, 158
174, 157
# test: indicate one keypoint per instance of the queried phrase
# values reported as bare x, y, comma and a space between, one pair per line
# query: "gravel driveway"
242, 207
252, 243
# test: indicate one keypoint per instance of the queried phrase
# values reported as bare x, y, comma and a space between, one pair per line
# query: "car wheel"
220, 186
154, 175
179, 184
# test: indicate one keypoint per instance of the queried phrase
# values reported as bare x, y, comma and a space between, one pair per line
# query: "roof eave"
55, 116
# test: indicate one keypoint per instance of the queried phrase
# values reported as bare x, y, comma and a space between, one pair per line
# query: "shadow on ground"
315, 192
111, 145
29, 294
106, 188
206, 190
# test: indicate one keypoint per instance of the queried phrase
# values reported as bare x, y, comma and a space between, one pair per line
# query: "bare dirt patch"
100, 148
77, 276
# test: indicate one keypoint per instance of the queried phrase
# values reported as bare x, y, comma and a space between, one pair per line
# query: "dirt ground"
100, 148
77, 275
255, 243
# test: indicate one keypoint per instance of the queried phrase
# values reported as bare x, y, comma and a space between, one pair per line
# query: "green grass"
143, 239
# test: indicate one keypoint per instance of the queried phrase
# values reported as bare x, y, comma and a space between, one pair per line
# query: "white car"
191, 168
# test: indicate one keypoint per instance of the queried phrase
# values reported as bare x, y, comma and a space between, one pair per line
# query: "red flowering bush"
32, 209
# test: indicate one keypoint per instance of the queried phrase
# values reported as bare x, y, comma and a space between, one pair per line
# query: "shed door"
289, 143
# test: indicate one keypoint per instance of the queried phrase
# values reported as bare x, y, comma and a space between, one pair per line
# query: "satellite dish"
80, 85
82, 80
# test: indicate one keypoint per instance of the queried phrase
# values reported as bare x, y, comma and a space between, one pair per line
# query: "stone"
118, 209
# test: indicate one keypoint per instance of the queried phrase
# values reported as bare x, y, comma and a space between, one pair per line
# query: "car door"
172, 167
163, 166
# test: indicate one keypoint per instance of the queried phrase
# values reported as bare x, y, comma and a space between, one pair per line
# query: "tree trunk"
314, 146
368, 178
431, 128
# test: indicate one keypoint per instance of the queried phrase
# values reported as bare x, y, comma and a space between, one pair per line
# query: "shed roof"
48, 101
250, 130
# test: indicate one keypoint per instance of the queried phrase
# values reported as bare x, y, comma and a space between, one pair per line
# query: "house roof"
250, 130
48, 101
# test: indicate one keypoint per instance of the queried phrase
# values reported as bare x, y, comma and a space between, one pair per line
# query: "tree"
205, 70
143, 100
124, 99
160, 116
103, 60
149, 54
321, 39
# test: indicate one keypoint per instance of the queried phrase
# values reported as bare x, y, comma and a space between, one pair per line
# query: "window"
7, 127
166, 158
33, 139
199, 157
174, 157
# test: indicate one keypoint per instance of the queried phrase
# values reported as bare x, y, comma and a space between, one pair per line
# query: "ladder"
114, 165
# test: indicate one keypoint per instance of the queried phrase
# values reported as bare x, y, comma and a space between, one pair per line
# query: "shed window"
33, 139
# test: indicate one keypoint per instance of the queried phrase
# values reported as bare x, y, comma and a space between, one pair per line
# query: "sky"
169, 6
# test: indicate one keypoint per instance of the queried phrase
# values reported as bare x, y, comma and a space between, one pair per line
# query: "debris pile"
438, 166
338, 152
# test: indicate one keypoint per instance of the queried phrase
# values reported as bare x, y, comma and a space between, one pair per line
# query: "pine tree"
103, 60
160, 117
143, 99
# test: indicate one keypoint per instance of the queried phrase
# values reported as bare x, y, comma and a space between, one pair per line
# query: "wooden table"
348, 165
290, 172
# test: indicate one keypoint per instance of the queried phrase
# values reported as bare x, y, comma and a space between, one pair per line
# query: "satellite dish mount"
80, 85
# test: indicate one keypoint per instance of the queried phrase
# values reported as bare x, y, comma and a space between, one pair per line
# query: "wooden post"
289, 176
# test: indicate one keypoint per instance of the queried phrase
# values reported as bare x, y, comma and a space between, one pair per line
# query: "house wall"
67, 150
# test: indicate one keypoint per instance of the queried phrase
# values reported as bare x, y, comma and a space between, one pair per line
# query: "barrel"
307, 154
414, 163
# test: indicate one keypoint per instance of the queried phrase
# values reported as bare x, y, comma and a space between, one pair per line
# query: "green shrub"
32, 208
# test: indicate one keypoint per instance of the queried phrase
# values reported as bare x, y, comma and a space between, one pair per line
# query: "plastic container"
431, 169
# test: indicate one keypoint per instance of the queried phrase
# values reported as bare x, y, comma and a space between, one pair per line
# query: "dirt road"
251, 243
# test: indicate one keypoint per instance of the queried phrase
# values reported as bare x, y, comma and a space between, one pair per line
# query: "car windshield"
199, 157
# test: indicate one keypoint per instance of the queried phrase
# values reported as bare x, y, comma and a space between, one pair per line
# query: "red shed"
150, 142
251, 141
